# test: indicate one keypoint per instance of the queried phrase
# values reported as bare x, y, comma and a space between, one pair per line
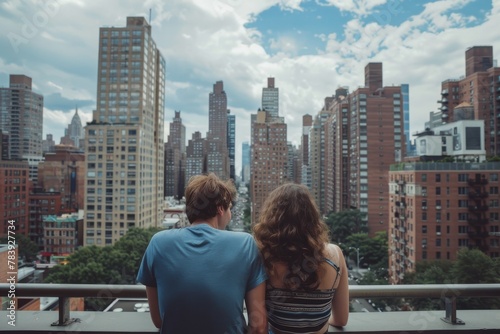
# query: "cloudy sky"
311, 47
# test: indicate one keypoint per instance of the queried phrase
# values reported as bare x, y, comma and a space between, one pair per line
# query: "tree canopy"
343, 224
117, 264
471, 267
27, 249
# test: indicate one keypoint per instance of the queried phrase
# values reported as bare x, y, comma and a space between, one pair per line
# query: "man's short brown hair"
205, 194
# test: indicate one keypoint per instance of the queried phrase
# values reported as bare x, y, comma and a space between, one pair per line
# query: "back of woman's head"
290, 230
205, 194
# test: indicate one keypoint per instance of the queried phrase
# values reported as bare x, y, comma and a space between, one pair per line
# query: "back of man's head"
205, 194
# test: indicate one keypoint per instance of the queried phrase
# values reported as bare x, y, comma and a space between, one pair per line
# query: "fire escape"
478, 210
400, 229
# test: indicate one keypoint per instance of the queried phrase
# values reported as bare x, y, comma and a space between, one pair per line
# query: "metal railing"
448, 292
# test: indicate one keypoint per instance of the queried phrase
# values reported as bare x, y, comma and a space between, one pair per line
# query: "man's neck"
211, 222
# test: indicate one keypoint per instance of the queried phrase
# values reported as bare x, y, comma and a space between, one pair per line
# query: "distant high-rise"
305, 171
195, 156
217, 148
354, 139
124, 142
231, 144
48, 144
175, 152
270, 98
75, 131
269, 160
22, 119
481, 89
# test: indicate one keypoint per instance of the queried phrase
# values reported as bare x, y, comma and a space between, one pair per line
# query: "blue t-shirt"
202, 275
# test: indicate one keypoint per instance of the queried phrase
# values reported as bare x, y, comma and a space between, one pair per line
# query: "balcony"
477, 195
478, 221
446, 321
478, 235
477, 182
478, 208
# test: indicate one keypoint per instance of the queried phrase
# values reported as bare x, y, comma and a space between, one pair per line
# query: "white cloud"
358, 7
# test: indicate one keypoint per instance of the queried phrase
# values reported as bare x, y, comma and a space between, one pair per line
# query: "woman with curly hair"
307, 289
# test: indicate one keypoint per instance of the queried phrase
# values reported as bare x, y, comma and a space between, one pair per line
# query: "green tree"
471, 267
27, 249
343, 224
372, 251
117, 264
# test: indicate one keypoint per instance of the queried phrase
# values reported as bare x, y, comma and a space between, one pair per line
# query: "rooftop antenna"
149, 15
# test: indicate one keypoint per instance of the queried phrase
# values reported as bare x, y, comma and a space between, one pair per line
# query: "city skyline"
243, 44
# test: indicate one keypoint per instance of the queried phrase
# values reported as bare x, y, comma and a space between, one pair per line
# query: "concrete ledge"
476, 321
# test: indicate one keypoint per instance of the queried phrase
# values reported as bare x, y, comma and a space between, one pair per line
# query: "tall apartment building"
124, 141
269, 158
376, 140
21, 117
317, 156
217, 148
270, 98
336, 150
305, 170
436, 207
195, 156
231, 144
353, 141
480, 88
175, 156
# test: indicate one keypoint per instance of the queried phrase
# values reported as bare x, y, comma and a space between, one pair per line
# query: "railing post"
64, 313
451, 311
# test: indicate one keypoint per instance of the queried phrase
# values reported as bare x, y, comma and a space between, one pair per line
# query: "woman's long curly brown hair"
290, 230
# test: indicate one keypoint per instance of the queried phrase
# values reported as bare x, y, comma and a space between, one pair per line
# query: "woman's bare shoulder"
333, 252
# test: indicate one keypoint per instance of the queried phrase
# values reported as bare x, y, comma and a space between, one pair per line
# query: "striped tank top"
300, 311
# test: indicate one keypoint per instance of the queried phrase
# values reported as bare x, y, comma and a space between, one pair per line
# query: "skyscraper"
269, 156
217, 149
481, 89
21, 117
175, 153
75, 131
231, 144
124, 141
354, 139
195, 156
305, 172
270, 98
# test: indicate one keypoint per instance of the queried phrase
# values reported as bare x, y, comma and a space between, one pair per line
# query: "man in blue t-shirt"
197, 277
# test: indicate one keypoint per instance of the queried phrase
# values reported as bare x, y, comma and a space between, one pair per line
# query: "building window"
462, 177
424, 177
438, 177
438, 190
424, 228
